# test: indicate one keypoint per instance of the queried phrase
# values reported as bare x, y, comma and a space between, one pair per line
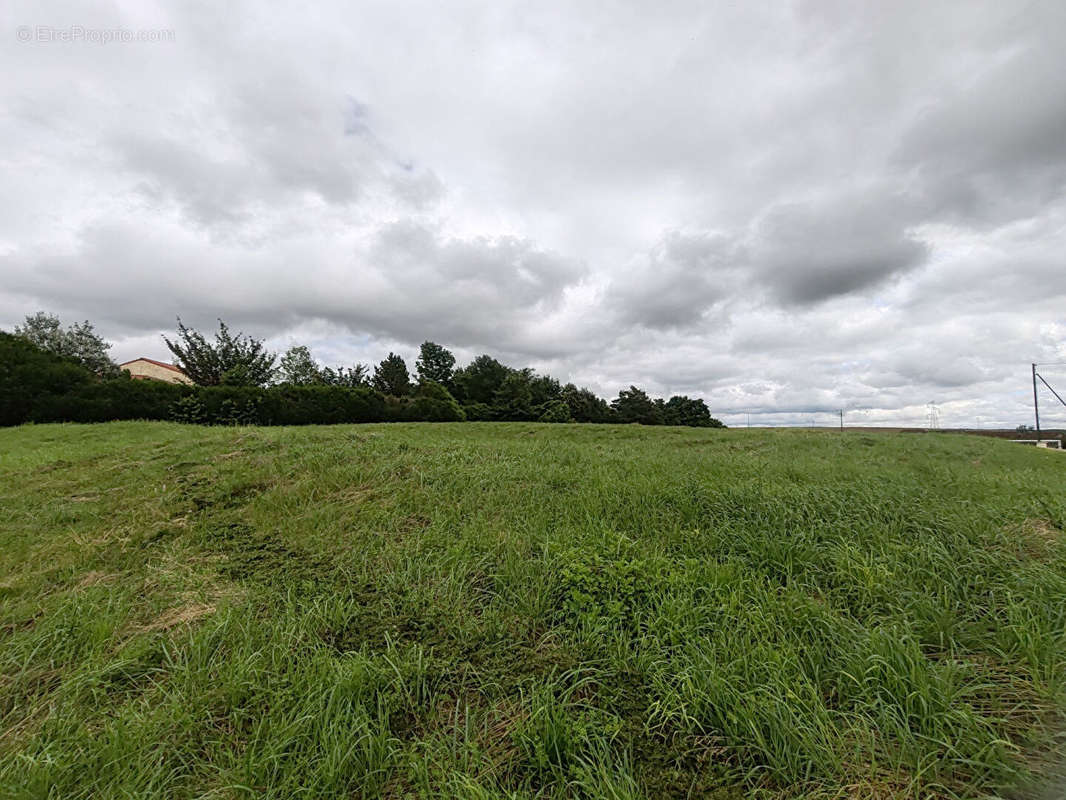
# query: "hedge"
119, 399
279, 405
36, 386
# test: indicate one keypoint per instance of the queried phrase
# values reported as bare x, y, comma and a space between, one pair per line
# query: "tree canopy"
479, 381
78, 341
298, 368
391, 377
435, 363
231, 360
358, 375
634, 405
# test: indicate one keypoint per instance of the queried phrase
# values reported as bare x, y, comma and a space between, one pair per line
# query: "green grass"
519, 611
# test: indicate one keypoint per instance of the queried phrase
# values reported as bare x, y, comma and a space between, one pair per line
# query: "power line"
1048, 385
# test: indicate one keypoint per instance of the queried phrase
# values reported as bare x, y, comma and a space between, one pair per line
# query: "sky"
784, 208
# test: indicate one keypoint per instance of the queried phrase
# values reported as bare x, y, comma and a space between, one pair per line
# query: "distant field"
520, 610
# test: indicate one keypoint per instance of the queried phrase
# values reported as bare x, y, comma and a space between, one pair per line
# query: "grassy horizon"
520, 610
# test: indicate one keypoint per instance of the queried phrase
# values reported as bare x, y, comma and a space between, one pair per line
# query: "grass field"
519, 610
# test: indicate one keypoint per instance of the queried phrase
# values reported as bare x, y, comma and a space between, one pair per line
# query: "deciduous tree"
435, 363
634, 405
232, 360
298, 368
359, 375
79, 341
514, 399
478, 381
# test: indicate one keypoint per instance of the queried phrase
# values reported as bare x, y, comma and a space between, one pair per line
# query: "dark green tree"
298, 368
359, 375
682, 410
79, 341
478, 381
29, 373
556, 411
391, 377
231, 360
514, 399
585, 406
435, 363
544, 391
634, 405
434, 403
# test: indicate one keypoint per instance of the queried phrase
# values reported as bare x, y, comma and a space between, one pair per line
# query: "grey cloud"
796, 253
675, 284
470, 282
809, 252
272, 147
993, 149
407, 281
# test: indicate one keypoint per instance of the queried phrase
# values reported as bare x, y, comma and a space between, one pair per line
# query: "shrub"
188, 409
594, 588
324, 405
27, 373
434, 403
104, 401
280, 405
556, 412
477, 412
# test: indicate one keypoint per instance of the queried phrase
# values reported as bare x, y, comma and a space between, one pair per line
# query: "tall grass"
520, 611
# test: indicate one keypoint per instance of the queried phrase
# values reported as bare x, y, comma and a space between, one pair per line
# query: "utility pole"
1036, 406
841, 420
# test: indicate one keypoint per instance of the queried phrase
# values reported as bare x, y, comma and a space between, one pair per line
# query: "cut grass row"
511, 610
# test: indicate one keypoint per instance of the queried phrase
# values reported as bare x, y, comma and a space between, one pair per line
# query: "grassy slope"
525, 610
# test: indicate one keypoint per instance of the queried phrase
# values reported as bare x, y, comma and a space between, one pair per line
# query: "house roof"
157, 363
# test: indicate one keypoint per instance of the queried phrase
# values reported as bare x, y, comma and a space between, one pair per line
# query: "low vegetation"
521, 610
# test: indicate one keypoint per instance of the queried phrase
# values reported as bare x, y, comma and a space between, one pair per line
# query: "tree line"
238, 379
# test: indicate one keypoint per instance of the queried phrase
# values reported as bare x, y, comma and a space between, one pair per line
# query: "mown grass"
518, 610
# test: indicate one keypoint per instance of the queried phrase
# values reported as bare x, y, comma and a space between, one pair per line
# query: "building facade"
150, 369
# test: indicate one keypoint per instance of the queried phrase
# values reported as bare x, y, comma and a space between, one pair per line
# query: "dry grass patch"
181, 615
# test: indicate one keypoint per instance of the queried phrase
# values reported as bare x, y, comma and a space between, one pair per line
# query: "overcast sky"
783, 208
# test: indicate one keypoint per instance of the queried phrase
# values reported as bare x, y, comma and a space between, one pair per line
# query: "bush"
234, 405
27, 373
189, 409
104, 401
434, 403
280, 405
556, 412
323, 405
597, 589
478, 412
